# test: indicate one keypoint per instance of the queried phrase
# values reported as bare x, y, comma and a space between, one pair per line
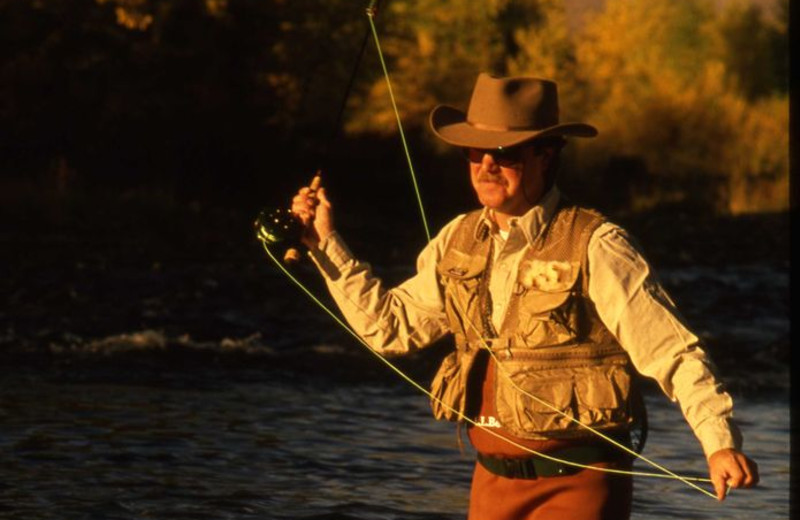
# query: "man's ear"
550, 165
548, 153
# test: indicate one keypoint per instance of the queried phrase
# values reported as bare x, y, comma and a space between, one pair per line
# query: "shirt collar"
531, 223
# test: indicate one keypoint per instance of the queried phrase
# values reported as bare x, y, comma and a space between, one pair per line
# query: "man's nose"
488, 163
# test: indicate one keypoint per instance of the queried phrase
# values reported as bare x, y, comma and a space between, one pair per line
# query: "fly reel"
280, 227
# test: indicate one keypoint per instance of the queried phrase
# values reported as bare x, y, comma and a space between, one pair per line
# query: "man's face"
509, 182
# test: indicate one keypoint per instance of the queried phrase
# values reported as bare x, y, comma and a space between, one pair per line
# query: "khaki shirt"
627, 295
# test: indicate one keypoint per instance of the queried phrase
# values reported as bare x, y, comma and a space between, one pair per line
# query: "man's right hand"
314, 210
729, 467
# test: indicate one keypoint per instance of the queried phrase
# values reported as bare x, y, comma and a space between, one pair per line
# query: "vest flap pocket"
445, 390
602, 394
458, 265
545, 401
449, 385
546, 285
536, 404
548, 396
541, 303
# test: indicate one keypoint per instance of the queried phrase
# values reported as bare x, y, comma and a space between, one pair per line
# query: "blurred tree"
173, 91
435, 50
117, 96
546, 49
203, 94
753, 48
131, 14
630, 48
658, 92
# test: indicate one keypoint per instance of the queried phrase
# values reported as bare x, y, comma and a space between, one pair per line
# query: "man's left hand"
729, 467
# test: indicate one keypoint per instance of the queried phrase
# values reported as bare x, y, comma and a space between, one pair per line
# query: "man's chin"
493, 201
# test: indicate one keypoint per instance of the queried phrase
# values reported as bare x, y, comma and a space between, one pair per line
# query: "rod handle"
292, 255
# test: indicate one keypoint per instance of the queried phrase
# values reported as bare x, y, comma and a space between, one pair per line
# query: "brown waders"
511, 484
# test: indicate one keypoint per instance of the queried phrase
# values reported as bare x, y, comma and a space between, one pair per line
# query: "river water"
217, 444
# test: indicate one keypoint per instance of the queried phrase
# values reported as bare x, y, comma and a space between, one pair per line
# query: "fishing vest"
551, 345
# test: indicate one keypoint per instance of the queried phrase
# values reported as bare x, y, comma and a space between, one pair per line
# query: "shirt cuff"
718, 434
331, 256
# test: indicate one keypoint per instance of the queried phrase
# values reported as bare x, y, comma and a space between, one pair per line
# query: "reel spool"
281, 226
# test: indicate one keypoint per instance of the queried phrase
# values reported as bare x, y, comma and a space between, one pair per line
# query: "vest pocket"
602, 395
546, 306
460, 276
537, 405
547, 318
445, 393
449, 385
542, 402
460, 266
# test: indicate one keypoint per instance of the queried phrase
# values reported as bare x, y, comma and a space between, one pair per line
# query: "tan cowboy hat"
505, 112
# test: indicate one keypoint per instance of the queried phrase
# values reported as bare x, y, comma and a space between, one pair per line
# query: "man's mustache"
488, 177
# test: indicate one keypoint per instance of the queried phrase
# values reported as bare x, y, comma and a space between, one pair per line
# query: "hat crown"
505, 112
513, 103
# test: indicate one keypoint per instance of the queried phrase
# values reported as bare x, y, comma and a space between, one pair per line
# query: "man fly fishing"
553, 309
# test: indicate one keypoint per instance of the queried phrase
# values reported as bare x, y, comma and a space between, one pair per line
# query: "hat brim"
450, 125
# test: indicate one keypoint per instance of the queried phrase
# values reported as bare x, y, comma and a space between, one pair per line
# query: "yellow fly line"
666, 475
504, 373
371, 15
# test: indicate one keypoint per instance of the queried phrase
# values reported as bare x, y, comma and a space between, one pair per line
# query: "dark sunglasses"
506, 157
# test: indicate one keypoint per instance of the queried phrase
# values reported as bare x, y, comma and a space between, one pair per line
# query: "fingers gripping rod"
292, 255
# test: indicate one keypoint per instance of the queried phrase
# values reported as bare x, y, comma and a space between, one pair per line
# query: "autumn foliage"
691, 99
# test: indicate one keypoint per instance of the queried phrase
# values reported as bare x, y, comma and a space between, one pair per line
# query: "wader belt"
534, 467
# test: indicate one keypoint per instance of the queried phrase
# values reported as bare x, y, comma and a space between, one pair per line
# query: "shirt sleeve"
391, 321
634, 306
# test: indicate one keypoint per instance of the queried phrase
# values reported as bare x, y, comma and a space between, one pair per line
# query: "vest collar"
531, 223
